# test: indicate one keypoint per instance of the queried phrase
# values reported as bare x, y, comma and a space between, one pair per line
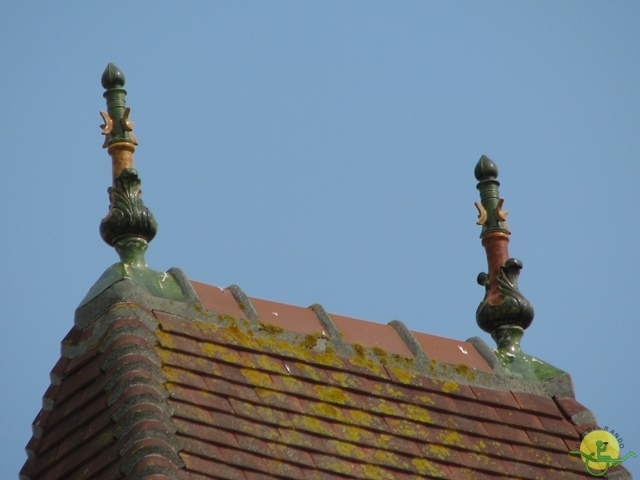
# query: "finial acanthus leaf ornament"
127, 217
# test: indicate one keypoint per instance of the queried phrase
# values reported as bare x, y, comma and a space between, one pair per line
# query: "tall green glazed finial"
129, 226
129, 222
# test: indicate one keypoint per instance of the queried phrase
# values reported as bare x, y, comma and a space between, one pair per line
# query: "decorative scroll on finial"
504, 312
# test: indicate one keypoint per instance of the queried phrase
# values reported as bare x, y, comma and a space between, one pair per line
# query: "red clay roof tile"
218, 300
370, 334
451, 351
287, 317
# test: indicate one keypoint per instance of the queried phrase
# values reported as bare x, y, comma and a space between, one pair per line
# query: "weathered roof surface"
225, 386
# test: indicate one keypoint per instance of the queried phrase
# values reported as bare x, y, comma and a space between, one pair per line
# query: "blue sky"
324, 153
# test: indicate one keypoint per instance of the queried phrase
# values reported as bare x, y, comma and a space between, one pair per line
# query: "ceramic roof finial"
504, 312
129, 226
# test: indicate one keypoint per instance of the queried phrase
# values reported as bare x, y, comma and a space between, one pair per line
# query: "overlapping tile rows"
106, 415
245, 408
231, 387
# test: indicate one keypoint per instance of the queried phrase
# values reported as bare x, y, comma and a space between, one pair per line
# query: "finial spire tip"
485, 169
112, 77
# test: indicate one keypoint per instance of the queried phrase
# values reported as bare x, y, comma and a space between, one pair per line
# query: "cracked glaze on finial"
504, 312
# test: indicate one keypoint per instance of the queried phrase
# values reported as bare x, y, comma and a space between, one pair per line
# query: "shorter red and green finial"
504, 312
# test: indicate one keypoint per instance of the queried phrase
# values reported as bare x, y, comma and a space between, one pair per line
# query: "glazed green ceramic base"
158, 284
515, 361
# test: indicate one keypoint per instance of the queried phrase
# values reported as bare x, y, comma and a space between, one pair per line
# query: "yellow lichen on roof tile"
362, 418
418, 413
270, 395
165, 339
311, 424
341, 377
179, 377
425, 467
382, 406
382, 355
403, 375
333, 395
273, 416
374, 472
451, 437
346, 449
482, 459
270, 328
389, 390
290, 349
256, 378
351, 433
465, 371
388, 458
243, 338
267, 363
360, 359
326, 410
426, 399
450, 386
213, 350
443, 453
308, 370
292, 384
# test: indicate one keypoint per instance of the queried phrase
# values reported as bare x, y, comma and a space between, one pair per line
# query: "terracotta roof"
165, 378
197, 389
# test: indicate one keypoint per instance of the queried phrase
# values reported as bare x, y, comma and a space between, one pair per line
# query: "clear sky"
323, 152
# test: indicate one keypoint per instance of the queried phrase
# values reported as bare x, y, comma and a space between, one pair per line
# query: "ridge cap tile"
217, 299
288, 317
451, 351
370, 334
297, 319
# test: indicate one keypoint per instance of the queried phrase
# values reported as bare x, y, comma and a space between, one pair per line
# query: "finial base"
515, 361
